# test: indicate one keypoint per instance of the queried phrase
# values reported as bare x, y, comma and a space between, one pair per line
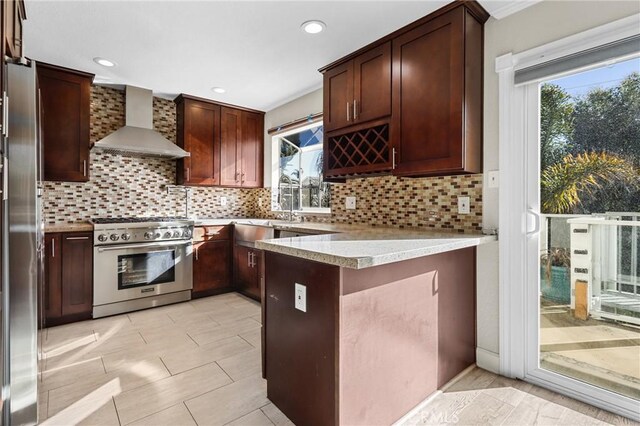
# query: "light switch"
463, 205
223, 201
301, 297
350, 203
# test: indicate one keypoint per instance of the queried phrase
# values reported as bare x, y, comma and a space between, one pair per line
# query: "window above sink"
298, 183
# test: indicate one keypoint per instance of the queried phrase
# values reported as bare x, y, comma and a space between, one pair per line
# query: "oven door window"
137, 270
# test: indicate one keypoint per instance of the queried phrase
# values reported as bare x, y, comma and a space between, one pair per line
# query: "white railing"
605, 253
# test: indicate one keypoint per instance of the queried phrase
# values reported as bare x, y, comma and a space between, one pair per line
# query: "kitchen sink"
248, 234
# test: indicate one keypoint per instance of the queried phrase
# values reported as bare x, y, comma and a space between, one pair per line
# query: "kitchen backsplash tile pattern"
133, 186
402, 202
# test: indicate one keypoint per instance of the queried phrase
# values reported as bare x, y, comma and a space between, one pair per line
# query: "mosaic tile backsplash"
133, 186
402, 202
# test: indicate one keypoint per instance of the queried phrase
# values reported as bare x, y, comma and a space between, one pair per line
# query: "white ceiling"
254, 49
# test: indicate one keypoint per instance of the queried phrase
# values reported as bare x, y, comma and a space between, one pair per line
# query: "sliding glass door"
583, 232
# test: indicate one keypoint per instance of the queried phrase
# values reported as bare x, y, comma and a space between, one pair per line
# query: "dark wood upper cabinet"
231, 137
415, 105
251, 149
242, 148
337, 97
198, 125
65, 106
225, 142
14, 14
358, 90
68, 277
437, 127
372, 84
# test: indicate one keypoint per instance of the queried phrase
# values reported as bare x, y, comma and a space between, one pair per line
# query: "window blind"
617, 49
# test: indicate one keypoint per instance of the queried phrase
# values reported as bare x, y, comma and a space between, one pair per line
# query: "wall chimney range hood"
137, 137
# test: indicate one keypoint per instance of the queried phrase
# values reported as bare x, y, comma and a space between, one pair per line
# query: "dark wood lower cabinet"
68, 277
52, 277
246, 262
211, 268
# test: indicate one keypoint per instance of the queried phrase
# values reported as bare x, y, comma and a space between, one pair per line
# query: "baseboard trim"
488, 360
430, 398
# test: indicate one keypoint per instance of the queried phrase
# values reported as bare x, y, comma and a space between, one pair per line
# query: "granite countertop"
310, 227
360, 248
68, 227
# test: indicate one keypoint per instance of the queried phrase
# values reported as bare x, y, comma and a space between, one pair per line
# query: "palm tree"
563, 183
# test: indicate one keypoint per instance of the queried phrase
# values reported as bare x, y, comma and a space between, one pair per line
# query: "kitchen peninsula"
387, 318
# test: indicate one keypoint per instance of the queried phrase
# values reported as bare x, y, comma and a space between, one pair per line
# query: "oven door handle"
147, 245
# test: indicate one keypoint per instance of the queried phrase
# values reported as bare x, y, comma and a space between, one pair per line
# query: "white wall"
542, 23
310, 103
534, 26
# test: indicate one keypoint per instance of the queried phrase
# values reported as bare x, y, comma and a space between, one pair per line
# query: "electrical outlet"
223, 201
463, 205
494, 179
350, 203
260, 202
301, 297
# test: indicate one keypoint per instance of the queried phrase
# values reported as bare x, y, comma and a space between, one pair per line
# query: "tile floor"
198, 363
484, 398
186, 364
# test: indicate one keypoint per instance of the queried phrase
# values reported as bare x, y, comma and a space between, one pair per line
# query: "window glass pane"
300, 179
590, 270
307, 138
315, 193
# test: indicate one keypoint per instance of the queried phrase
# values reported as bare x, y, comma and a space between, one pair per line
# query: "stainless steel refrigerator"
22, 242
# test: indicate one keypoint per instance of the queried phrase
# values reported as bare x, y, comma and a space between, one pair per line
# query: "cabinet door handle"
249, 259
188, 174
197, 254
53, 248
237, 174
355, 109
76, 238
242, 177
393, 158
348, 108
84, 168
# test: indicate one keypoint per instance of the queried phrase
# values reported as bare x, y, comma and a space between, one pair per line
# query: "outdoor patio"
600, 352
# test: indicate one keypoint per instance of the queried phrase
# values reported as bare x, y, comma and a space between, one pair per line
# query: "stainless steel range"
140, 263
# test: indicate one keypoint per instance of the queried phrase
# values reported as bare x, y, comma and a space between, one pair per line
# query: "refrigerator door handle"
5, 114
5, 178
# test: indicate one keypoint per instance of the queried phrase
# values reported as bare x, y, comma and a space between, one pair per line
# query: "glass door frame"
519, 219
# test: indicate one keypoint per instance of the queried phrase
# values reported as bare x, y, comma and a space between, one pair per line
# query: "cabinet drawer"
209, 233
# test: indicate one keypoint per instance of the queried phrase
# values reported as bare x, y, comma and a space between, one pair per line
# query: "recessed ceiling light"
104, 62
313, 27
218, 89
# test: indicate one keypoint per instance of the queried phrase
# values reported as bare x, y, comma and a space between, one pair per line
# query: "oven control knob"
125, 237
176, 234
167, 234
114, 237
148, 235
157, 235
186, 233
102, 238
